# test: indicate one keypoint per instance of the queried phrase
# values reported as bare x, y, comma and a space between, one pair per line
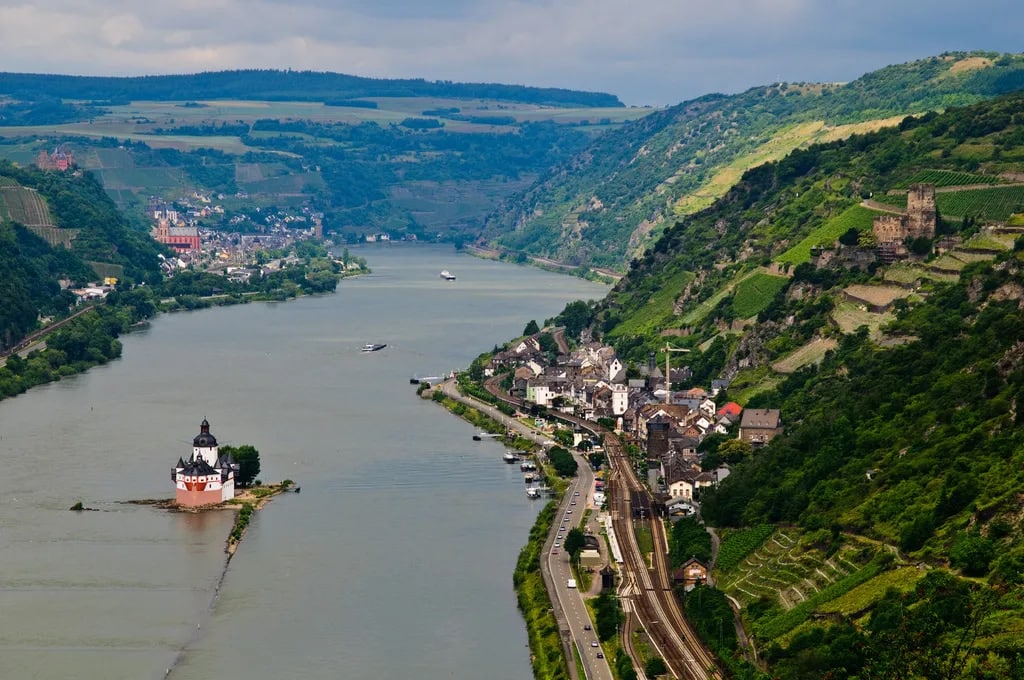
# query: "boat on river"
447, 275
373, 347
509, 457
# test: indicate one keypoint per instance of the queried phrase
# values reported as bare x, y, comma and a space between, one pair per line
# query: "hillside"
408, 158
611, 201
59, 227
277, 85
880, 536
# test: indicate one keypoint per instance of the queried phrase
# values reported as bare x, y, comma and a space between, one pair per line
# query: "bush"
972, 553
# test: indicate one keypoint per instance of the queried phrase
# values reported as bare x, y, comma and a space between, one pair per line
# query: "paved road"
570, 611
646, 592
577, 617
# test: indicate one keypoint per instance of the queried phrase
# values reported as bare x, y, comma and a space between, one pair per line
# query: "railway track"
646, 589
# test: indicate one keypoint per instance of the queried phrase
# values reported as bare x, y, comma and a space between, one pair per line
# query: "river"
394, 561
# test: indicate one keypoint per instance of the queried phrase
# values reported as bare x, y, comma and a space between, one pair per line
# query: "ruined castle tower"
921, 212
919, 220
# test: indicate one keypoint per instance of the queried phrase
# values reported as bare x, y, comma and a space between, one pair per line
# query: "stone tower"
921, 212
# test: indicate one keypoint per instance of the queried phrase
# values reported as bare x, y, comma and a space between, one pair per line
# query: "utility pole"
668, 349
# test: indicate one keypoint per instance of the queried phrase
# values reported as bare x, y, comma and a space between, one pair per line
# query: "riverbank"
89, 336
547, 653
598, 274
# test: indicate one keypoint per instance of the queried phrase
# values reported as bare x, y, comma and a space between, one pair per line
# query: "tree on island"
248, 459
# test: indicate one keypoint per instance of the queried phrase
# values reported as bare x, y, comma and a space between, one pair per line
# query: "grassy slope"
690, 154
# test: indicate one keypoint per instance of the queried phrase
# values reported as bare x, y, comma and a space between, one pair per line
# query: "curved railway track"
645, 589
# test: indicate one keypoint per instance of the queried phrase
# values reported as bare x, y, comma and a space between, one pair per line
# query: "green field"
658, 311
996, 203
990, 203
910, 273
949, 178
26, 206
142, 178
866, 594
755, 293
855, 217
811, 353
737, 544
781, 568
705, 307
114, 158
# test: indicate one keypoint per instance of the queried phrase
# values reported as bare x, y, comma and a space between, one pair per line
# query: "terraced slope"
29, 209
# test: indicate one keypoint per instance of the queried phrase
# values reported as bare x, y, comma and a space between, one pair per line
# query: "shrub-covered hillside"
72, 208
612, 200
897, 489
734, 262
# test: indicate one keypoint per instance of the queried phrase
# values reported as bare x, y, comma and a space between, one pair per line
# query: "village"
666, 427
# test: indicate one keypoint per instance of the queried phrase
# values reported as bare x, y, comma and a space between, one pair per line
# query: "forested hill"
894, 496
74, 209
280, 86
611, 201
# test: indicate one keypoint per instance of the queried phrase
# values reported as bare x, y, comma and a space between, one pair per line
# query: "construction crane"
668, 349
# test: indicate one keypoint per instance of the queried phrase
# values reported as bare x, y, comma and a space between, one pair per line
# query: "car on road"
600, 655
586, 626
572, 503
593, 643
558, 545
576, 494
555, 551
569, 511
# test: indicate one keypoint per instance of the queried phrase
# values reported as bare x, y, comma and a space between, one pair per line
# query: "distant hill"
276, 85
610, 202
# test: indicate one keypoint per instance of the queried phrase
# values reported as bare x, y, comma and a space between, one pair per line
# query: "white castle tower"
207, 478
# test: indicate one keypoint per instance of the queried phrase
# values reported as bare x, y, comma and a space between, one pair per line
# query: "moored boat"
509, 457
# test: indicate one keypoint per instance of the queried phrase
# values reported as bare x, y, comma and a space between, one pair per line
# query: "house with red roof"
732, 411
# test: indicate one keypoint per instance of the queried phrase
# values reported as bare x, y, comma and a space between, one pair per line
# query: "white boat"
533, 492
373, 347
447, 275
509, 457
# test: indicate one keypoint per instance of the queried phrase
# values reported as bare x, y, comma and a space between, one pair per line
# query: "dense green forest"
612, 200
275, 85
902, 455
29, 271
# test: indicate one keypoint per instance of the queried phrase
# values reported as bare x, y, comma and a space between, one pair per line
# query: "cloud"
646, 51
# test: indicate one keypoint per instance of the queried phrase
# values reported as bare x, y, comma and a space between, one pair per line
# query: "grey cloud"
645, 51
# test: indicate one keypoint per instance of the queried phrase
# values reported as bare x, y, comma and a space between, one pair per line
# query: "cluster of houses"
208, 235
668, 425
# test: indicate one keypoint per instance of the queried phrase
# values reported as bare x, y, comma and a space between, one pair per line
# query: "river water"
394, 561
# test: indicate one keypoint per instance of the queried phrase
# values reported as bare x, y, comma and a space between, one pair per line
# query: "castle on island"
207, 478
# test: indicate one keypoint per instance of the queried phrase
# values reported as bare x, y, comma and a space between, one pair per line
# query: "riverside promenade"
574, 624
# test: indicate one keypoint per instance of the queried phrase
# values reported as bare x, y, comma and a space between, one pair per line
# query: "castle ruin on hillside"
892, 231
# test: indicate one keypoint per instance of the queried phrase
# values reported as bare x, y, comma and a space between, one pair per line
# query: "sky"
647, 52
